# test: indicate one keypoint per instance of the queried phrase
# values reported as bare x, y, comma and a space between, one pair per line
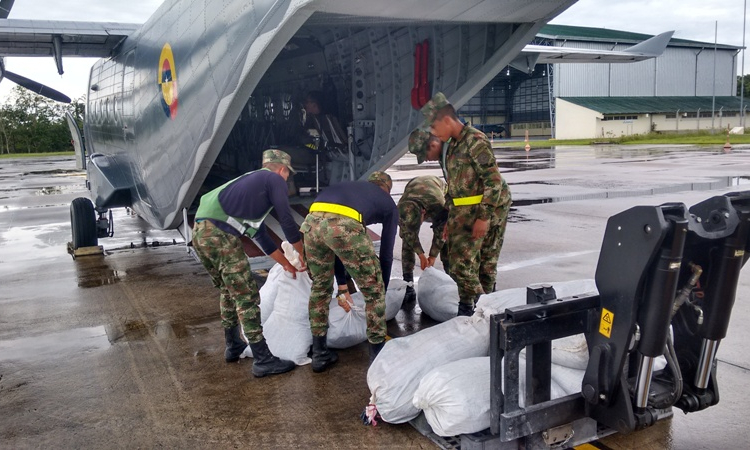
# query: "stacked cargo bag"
455, 397
498, 302
437, 295
396, 372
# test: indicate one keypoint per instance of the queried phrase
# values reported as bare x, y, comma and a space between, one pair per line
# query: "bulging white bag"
455, 397
269, 291
437, 294
395, 374
287, 330
394, 297
347, 328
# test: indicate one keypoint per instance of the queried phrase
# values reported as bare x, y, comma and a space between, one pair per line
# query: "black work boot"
465, 309
375, 349
264, 363
235, 344
410, 297
322, 358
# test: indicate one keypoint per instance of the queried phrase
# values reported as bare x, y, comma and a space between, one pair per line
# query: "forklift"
667, 278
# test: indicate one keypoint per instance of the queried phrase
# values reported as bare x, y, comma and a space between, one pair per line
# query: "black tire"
83, 223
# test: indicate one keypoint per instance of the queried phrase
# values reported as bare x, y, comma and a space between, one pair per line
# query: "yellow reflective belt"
337, 209
465, 201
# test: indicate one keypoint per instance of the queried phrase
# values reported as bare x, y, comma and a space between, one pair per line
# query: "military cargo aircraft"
191, 98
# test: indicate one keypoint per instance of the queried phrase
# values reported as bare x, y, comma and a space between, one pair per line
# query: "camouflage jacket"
422, 193
471, 170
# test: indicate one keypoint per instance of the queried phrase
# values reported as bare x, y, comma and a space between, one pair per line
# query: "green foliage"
696, 138
30, 123
747, 86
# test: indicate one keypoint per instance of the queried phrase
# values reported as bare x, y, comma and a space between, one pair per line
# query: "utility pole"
742, 78
713, 94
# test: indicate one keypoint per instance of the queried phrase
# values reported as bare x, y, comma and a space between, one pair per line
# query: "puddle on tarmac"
134, 330
718, 183
100, 277
34, 242
62, 344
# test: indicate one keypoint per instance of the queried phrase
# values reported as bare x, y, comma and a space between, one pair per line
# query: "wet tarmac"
126, 350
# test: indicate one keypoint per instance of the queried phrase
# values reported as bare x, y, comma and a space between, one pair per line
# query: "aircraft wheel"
83, 223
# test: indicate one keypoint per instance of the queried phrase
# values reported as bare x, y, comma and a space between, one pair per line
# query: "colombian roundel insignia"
167, 80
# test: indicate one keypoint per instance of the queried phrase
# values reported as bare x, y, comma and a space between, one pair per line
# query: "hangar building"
691, 86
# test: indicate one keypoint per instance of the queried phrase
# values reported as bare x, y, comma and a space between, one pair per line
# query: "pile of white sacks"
444, 371
285, 316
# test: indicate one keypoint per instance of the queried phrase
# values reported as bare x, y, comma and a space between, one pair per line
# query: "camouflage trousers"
328, 235
409, 257
473, 262
223, 256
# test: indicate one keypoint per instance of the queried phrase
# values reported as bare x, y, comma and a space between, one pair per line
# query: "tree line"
30, 123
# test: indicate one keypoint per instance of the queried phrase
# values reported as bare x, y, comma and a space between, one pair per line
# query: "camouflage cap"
430, 109
381, 179
418, 141
279, 157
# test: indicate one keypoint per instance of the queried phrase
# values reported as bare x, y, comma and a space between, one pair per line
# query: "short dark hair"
316, 97
446, 111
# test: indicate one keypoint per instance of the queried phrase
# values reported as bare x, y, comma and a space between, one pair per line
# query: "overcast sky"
690, 19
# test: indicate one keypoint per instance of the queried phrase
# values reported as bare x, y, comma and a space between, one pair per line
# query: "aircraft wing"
542, 54
61, 38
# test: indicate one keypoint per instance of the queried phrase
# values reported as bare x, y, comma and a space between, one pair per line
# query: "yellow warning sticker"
605, 325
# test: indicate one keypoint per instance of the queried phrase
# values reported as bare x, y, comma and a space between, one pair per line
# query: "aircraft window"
359, 84
360, 107
360, 95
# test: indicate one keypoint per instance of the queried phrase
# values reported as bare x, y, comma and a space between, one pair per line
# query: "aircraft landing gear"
86, 227
83, 223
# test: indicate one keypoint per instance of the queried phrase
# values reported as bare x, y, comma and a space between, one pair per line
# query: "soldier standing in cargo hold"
478, 200
423, 201
225, 214
337, 226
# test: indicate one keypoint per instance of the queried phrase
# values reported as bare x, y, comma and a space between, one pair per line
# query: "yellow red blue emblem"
167, 80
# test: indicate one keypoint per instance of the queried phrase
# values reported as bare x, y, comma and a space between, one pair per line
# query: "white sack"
455, 397
394, 297
498, 302
269, 291
395, 374
287, 330
437, 294
346, 329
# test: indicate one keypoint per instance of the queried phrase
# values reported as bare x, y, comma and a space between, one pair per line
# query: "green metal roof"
643, 105
567, 32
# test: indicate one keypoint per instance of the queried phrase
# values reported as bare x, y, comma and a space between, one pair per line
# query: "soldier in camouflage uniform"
225, 214
478, 199
336, 227
423, 201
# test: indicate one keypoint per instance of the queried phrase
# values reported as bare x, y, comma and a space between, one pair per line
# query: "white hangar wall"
680, 71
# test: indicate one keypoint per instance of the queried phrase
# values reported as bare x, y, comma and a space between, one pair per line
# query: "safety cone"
727, 146
527, 147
